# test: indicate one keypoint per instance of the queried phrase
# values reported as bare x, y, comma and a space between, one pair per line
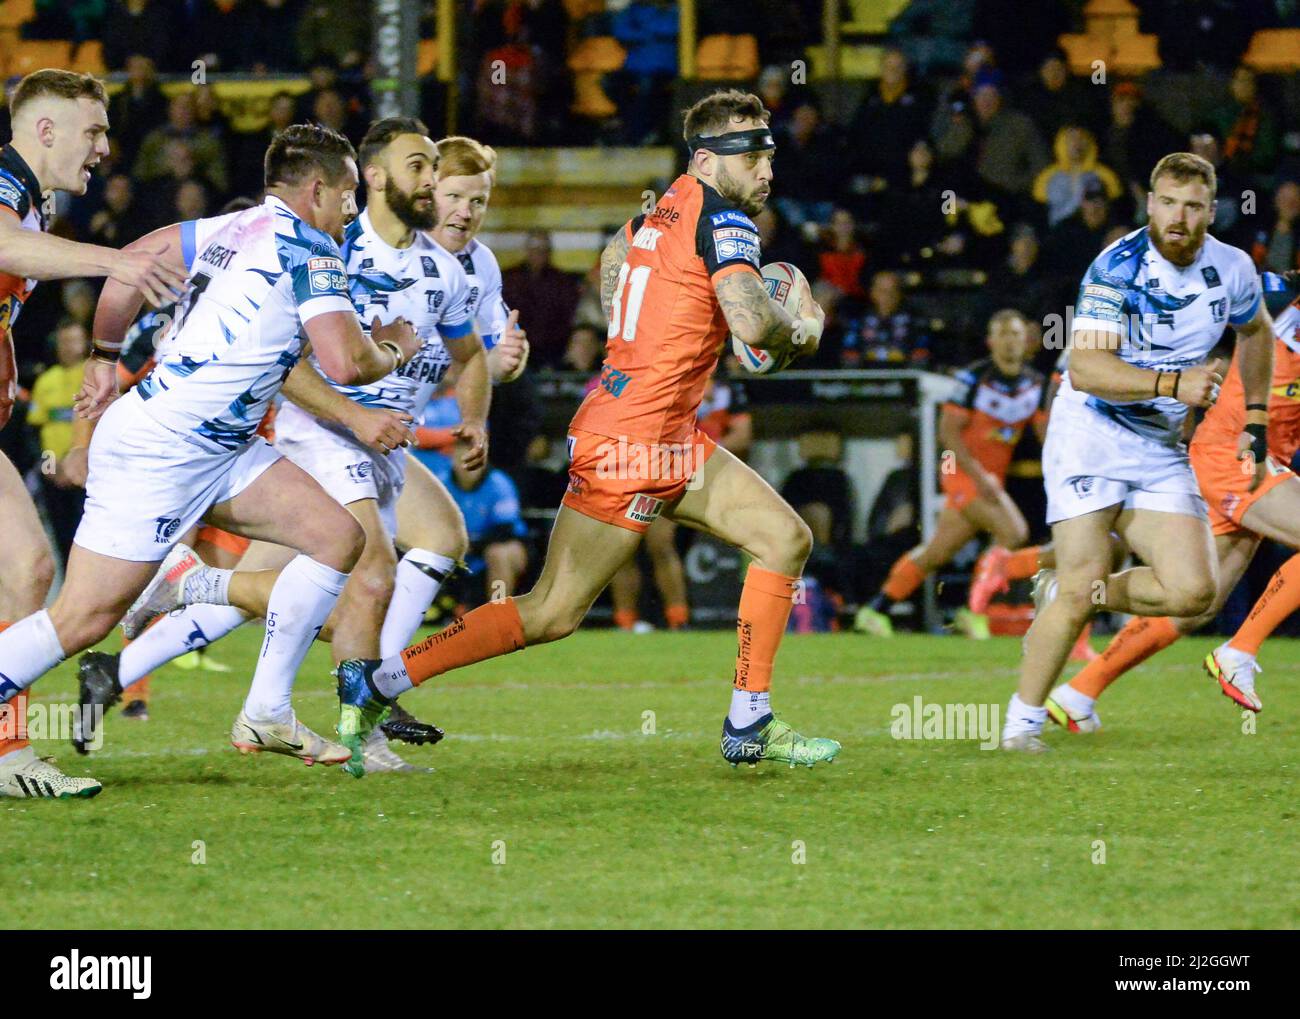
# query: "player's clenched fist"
1199, 386
400, 332
145, 270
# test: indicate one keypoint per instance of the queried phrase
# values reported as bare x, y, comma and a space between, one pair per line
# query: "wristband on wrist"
1159, 378
396, 351
1177, 376
1258, 441
1257, 406
104, 350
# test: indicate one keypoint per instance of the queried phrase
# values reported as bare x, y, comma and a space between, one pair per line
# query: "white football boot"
24, 775
293, 739
163, 593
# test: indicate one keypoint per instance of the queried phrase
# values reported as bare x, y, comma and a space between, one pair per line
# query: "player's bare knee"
372, 582
33, 576
1189, 598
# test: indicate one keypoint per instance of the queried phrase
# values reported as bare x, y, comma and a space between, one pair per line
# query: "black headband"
733, 142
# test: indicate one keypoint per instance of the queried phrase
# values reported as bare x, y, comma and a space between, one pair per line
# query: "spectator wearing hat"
1061, 185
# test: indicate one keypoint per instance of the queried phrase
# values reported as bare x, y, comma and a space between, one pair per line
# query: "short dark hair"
384, 131
54, 82
713, 114
300, 149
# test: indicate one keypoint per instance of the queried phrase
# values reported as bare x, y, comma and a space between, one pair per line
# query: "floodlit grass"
547, 767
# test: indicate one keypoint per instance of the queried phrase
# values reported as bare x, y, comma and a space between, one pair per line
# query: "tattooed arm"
754, 317
611, 261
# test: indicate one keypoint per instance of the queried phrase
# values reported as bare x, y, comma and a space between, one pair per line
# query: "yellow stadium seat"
426, 61
727, 58
1274, 50
579, 9
599, 53
89, 58
15, 12
32, 55
589, 99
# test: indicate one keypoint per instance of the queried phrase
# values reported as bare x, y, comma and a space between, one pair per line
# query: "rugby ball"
784, 284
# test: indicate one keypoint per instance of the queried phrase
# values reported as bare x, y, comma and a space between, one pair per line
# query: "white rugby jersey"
1167, 317
422, 283
486, 305
256, 277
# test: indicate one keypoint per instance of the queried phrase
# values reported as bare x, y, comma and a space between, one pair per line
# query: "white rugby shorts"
147, 485
1091, 463
345, 467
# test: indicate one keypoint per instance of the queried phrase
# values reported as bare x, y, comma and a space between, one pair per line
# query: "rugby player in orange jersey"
1239, 519
674, 283
979, 428
60, 131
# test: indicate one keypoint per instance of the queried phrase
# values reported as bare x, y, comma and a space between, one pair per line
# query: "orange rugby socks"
1141, 637
765, 603
904, 578
1023, 563
1280, 598
489, 630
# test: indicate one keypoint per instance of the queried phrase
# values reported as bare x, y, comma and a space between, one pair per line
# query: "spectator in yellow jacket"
1060, 186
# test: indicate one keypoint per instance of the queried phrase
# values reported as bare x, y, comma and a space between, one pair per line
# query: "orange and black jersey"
20, 196
995, 409
666, 327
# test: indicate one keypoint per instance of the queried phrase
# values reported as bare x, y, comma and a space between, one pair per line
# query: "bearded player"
182, 447
1150, 309
60, 132
394, 266
674, 283
1240, 517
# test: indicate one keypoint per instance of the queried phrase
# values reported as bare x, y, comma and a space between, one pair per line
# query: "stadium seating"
1274, 51
727, 58
591, 59
574, 193
1111, 35
89, 58
14, 12
32, 55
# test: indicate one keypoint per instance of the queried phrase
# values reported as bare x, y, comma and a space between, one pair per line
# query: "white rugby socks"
420, 575
748, 707
175, 634
301, 601
1022, 718
207, 585
28, 650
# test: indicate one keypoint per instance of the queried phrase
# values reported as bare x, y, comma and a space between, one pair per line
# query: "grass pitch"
552, 807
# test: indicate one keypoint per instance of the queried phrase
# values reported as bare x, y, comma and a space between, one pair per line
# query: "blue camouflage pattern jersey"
422, 283
256, 278
1168, 318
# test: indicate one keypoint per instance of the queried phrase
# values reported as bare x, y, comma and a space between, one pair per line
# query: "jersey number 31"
640, 276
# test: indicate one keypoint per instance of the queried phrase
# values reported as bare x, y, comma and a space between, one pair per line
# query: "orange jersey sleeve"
666, 327
1226, 420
